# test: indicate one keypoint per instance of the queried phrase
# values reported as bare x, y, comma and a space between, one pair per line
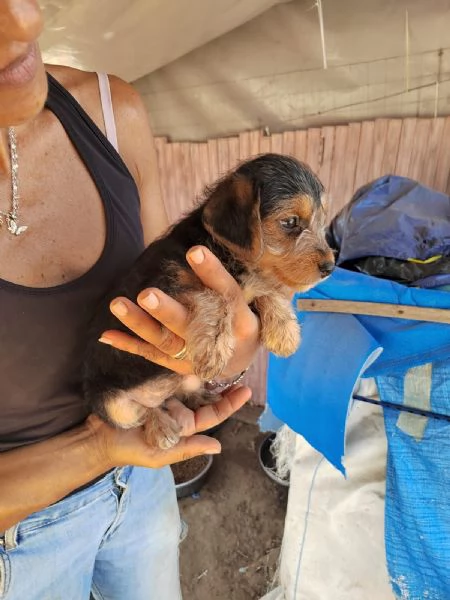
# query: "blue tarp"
312, 390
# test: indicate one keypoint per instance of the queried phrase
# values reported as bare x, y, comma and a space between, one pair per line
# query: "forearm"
33, 477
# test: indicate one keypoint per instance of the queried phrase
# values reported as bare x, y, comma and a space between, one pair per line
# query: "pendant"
13, 228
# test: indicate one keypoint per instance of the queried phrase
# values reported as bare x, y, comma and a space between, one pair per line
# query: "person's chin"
23, 91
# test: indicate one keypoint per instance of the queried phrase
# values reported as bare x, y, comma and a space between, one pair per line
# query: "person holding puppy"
84, 507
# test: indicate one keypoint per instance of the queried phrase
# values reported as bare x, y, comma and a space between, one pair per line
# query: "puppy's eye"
290, 223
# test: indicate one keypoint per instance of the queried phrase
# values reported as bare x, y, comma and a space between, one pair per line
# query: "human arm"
34, 477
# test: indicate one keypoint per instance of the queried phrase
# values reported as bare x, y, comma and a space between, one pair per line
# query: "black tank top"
42, 330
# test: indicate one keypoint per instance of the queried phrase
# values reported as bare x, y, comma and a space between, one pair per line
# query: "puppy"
265, 223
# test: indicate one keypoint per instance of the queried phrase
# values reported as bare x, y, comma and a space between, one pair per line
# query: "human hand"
161, 322
119, 447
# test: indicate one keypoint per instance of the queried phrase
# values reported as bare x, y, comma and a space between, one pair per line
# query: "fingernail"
105, 340
197, 256
119, 308
150, 300
215, 451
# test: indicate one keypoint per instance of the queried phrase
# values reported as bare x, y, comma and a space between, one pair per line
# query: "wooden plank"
244, 145
213, 160
265, 144
160, 143
196, 170
223, 156
351, 156
376, 309
433, 150
379, 142
324, 173
256, 378
254, 143
391, 146
443, 165
277, 143
233, 152
187, 176
363, 168
180, 199
288, 146
336, 199
419, 149
173, 211
203, 170
404, 151
300, 145
313, 149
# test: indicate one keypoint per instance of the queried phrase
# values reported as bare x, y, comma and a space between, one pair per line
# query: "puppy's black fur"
226, 222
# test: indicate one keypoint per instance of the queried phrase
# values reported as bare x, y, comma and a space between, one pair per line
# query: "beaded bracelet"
214, 385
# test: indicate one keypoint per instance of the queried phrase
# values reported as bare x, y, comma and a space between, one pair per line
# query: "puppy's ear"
231, 213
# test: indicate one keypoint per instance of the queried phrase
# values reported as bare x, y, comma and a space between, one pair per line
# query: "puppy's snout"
326, 268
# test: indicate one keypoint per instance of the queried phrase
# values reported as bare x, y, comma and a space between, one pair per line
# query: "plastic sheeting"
249, 64
395, 217
412, 371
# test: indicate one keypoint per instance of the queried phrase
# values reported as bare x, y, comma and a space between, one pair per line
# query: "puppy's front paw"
161, 431
283, 339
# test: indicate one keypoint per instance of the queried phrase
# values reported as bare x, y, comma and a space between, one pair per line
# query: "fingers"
211, 415
214, 275
146, 327
189, 447
166, 310
128, 343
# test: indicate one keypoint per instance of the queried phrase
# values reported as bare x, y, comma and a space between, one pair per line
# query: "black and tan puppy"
265, 222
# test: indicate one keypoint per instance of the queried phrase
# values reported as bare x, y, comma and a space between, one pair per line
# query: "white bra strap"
107, 108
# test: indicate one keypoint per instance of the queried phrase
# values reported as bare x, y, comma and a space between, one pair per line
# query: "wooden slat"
404, 151
196, 170
324, 173
364, 154
233, 152
160, 144
336, 200
254, 143
300, 145
443, 165
168, 184
289, 143
203, 169
313, 149
277, 143
419, 154
180, 197
213, 160
376, 309
376, 163
265, 144
433, 150
187, 175
223, 156
391, 147
349, 167
244, 145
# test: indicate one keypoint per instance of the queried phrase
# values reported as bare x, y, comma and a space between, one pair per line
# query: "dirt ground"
235, 525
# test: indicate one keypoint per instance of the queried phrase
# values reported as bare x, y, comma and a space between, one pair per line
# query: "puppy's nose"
326, 268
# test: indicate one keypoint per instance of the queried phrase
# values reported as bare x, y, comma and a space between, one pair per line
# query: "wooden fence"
344, 157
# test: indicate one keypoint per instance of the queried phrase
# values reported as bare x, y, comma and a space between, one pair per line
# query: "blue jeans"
117, 538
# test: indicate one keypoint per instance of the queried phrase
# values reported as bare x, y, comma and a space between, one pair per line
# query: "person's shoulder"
84, 87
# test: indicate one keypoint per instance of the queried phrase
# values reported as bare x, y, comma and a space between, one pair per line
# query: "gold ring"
181, 354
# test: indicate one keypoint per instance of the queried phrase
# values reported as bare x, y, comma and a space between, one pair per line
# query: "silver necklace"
12, 217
